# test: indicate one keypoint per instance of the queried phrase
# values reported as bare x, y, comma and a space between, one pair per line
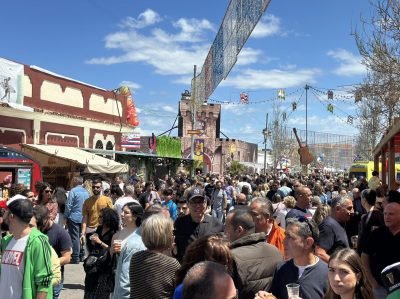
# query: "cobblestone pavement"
74, 278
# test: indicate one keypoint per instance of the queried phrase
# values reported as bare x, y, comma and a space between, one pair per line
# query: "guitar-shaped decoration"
305, 156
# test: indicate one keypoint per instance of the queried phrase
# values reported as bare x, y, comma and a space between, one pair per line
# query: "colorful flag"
330, 95
244, 98
350, 119
294, 106
330, 108
131, 140
281, 94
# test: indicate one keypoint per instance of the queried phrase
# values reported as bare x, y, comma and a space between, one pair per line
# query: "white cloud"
146, 18
269, 25
350, 64
248, 56
169, 108
132, 85
192, 29
238, 109
265, 79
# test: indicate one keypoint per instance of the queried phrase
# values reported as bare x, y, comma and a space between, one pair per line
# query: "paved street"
73, 282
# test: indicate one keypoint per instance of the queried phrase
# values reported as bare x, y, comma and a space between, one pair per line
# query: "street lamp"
266, 133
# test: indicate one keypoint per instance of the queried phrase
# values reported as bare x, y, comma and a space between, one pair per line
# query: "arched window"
99, 144
109, 146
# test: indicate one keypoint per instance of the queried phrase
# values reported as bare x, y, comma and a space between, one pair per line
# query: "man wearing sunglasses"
332, 232
91, 211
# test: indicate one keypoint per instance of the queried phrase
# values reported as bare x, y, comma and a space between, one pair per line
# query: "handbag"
94, 261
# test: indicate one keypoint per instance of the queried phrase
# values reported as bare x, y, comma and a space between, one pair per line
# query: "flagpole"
307, 87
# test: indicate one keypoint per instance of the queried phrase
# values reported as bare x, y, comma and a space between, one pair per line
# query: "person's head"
368, 198
16, 189
315, 201
321, 213
207, 248
318, 190
148, 186
208, 280
132, 213
157, 232
129, 190
276, 198
241, 199
197, 204
41, 218
239, 223
262, 212
342, 209
289, 202
391, 216
303, 197
76, 181
18, 214
301, 237
245, 190
109, 218
28, 193
115, 191
45, 193
97, 187
375, 173
275, 185
347, 276
167, 194
218, 184
182, 207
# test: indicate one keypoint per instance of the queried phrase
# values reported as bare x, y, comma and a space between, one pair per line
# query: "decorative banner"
131, 140
131, 114
330, 108
281, 94
284, 116
244, 98
198, 149
358, 96
294, 106
152, 143
330, 95
11, 75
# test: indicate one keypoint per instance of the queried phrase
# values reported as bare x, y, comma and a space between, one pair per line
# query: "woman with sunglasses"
347, 277
45, 198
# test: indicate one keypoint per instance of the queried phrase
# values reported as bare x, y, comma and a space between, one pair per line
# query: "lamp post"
266, 133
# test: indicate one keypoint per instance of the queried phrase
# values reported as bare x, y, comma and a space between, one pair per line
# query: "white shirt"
13, 269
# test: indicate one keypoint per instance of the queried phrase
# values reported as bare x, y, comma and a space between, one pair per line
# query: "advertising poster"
198, 149
11, 75
24, 176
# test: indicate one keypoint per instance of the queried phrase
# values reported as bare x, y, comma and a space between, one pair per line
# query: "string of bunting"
335, 96
244, 98
330, 107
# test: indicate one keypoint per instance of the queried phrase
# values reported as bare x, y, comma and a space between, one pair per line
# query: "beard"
96, 192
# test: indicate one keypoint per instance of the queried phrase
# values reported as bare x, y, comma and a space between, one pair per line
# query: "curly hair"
110, 219
207, 248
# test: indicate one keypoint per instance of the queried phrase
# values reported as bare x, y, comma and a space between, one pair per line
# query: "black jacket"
254, 264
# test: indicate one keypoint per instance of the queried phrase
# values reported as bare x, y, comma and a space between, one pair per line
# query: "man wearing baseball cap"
25, 256
197, 224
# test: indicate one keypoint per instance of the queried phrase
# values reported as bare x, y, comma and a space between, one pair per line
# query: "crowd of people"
211, 236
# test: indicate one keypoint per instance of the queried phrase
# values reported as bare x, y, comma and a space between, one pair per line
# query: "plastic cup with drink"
354, 241
293, 290
117, 245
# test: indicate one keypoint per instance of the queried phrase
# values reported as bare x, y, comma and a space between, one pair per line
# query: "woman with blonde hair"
321, 213
152, 271
289, 202
347, 277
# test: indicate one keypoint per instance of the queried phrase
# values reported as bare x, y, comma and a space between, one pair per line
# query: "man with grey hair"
73, 215
208, 280
254, 259
304, 267
129, 191
332, 232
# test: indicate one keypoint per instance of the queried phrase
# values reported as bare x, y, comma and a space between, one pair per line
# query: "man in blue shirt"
169, 203
73, 215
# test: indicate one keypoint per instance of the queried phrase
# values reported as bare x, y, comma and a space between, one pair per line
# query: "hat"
197, 193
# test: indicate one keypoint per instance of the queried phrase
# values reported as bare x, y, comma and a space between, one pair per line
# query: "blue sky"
152, 46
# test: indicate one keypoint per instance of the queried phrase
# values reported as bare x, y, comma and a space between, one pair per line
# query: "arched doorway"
99, 145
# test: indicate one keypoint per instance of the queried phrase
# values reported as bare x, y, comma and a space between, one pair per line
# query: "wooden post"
391, 165
383, 162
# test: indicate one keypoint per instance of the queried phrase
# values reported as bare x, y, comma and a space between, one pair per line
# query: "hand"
264, 295
82, 239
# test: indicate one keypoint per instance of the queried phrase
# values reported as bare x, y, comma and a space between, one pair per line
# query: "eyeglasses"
48, 191
96, 187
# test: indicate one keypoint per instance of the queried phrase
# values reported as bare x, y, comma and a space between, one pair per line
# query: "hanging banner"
198, 150
11, 76
131, 140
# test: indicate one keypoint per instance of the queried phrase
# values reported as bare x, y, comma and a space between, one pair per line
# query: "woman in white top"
289, 202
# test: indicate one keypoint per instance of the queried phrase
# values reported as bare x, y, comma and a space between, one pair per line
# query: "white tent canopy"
93, 163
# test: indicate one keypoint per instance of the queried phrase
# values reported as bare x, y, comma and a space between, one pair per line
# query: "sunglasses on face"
96, 187
48, 191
